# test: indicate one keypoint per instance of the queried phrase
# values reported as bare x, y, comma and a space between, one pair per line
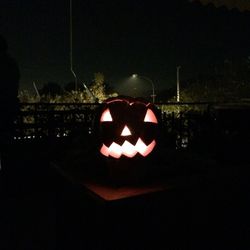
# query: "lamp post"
134, 76
71, 44
178, 84
37, 92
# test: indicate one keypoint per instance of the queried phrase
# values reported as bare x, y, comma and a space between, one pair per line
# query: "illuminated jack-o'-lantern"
127, 128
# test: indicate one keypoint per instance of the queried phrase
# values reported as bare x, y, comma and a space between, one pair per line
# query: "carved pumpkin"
127, 128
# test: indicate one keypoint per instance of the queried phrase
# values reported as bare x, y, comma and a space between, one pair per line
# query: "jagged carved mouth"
127, 149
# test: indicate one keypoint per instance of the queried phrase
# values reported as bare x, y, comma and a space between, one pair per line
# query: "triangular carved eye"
106, 116
150, 117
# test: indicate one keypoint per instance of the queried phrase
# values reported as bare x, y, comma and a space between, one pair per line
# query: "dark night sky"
119, 38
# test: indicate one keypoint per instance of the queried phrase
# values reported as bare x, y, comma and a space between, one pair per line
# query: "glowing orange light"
125, 131
115, 150
146, 150
150, 117
106, 116
104, 150
127, 149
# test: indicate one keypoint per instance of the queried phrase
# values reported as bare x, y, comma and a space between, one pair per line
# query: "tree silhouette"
98, 86
51, 89
71, 87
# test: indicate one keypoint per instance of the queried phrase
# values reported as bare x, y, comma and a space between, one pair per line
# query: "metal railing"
49, 120
181, 121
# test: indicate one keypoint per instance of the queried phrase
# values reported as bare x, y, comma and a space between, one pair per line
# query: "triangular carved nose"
125, 131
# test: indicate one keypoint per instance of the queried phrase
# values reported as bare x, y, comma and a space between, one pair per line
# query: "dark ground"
41, 209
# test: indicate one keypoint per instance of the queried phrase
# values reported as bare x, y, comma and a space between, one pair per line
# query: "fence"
180, 121
48, 120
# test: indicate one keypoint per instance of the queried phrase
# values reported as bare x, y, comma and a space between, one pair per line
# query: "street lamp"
134, 76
